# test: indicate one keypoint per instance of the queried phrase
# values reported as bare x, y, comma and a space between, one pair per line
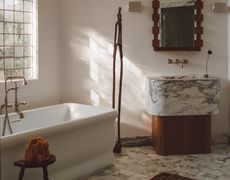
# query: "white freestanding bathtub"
82, 138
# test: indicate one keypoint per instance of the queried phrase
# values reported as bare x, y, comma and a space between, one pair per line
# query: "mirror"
177, 25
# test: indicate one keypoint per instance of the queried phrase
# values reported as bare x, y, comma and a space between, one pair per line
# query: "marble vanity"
181, 109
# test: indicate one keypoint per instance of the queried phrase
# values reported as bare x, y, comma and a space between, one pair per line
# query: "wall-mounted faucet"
15, 80
178, 61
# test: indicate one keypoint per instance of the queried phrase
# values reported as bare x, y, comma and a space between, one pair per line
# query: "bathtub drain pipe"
118, 46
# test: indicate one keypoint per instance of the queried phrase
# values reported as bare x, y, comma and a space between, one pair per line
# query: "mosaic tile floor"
143, 163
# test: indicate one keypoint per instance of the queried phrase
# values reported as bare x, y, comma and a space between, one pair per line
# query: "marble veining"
142, 163
184, 96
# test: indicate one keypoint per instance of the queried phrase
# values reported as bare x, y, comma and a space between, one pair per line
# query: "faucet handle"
10, 105
17, 79
24, 103
185, 61
170, 61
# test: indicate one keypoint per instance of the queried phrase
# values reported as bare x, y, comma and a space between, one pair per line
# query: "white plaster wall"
87, 28
46, 90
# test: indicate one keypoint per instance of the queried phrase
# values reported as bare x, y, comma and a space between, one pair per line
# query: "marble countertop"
182, 95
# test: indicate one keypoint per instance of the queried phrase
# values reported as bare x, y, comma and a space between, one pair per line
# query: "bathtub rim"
15, 139
61, 104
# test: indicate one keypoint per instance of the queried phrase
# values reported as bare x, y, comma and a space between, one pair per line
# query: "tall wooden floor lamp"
118, 46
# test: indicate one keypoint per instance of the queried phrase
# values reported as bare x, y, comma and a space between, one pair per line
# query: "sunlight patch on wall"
100, 46
97, 52
94, 71
95, 98
110, 49
93, 45
101, 61
132, 68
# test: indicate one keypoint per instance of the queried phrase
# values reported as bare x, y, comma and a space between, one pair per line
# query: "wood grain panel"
176, 135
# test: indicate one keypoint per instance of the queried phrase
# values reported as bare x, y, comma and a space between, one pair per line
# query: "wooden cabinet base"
177, 135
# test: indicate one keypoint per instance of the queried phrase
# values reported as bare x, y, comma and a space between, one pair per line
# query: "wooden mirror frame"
198, 29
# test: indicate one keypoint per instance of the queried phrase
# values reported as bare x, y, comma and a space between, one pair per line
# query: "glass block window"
18, 38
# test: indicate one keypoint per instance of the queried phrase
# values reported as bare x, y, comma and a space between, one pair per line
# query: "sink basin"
183, 77
188, 77
182, 95
173, 77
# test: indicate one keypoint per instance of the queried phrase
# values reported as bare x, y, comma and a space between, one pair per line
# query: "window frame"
34, 75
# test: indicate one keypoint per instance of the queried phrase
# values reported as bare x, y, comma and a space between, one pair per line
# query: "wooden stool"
23, 165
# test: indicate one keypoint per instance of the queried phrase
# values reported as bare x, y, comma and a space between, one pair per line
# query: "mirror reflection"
177, 22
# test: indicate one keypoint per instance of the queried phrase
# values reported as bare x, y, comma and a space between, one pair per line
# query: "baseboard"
223, 138
136, 141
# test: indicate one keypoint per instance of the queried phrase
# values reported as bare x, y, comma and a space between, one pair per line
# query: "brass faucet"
16, 104
178, 61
